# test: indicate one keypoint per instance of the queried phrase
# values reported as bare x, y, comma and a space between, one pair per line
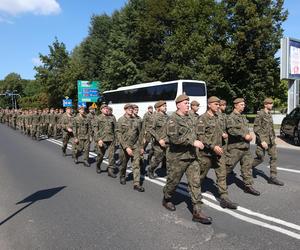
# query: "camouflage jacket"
129, 132
81, 127
209, 132
263, 128
194, 116
35, 119
182, 135
237, 128
104, 128
157, 126
66, 121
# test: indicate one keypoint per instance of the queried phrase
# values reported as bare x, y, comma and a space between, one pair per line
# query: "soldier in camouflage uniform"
147, 136
193, 111
238, 149
82, 131
66, 122
209, 132
130, 139
265, 140
181, 157
104, 130
52, 127
223, 119
158, 132
35, 131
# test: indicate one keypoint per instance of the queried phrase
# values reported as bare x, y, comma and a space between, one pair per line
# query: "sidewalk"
280, 142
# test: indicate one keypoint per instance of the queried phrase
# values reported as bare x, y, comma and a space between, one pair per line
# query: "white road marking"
182, 190
287, 170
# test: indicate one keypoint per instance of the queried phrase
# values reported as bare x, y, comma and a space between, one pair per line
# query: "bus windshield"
194, 88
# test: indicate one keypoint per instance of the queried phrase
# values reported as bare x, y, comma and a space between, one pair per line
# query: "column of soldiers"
184, 143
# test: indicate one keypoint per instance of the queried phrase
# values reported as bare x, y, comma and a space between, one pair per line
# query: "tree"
50, 73
254, 38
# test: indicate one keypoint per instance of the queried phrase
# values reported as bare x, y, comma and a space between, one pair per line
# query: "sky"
28, 27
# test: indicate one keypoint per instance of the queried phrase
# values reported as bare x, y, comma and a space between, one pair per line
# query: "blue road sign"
67, 102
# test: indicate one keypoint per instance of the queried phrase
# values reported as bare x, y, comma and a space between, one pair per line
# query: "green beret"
195, 103
238, 100
181, 98
213, 99
159, 104
223, 102
268, 101
103, 106
128, 105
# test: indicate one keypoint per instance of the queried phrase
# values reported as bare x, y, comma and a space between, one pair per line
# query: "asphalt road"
48, 202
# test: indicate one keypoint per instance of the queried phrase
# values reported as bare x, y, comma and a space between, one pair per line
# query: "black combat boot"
64, 152
98, 168
110, 172
275, 181
226, 203
167, 203
138, 188
123, 180
251, 190
150, 173
198, 216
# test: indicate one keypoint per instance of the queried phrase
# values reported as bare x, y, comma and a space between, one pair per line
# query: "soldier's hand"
76, 140
100, 143
198, 144
264, 145
142, 151
162, 142
70, 130
129, 151
248, 137
225, 135
218, 150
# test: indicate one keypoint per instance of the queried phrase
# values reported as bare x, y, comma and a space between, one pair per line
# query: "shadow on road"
31, 199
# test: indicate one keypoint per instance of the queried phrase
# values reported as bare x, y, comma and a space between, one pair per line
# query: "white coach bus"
146, 94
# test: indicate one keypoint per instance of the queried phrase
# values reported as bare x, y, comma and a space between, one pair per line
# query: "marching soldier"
194, 109
158, 131
52, 127
209, 131
147, 136
66, 124
181, 158
104, 139
82, 131
265, 140
130, 139
238, 149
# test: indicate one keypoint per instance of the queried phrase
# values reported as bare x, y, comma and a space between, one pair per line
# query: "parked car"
290, 126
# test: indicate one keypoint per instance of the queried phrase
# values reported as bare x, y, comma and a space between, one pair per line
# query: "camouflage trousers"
52, 130
66, 138
107, 146
83, 145
159, 156
244, 157
177, 168
218, 164
135, 163
35, 131
260, 154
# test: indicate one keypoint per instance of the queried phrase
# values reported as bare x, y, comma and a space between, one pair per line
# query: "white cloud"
36, 61
37, 7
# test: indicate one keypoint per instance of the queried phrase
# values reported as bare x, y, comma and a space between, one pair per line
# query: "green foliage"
50, 75
230, 44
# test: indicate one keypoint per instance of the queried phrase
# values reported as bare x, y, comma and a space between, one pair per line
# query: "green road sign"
88, 91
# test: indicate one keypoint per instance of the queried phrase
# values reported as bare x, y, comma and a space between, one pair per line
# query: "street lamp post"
13, 94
